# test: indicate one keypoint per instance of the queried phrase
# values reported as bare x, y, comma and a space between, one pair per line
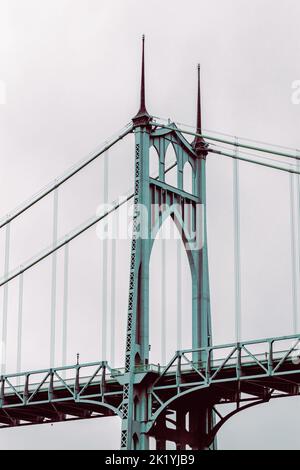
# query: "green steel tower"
188, 210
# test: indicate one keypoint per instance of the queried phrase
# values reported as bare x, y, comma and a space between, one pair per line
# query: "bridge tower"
154, 201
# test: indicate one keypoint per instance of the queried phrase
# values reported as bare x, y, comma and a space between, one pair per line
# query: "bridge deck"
221, 374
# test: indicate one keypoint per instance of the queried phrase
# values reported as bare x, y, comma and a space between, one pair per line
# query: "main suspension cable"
240, 138
248, 160
224, 141
64, 177
68, 238
156, 122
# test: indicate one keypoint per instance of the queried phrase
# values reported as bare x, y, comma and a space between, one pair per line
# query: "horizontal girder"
233, 373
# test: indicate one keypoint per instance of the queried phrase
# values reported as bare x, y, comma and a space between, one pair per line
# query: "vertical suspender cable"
236, 238
113, 292
104, 264
53, 286
293, 252
5, 300
65, 305
179, 296
298, 221
163, 299
20, 323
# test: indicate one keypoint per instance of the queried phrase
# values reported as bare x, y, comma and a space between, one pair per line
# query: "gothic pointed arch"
188, 178
153, 162
171, 162
170, 272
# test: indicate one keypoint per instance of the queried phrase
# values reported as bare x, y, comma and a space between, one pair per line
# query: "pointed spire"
199, 144
143, 105
199, 103
142, 118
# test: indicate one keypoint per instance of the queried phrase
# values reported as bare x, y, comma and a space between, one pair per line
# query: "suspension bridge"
178, 400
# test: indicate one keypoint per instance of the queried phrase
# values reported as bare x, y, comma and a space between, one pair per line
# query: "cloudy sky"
69, 77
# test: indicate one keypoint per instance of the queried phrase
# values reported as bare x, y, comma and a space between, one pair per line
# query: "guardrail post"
208, 364
77, 383
26, 389
178, 371
239, 361
149, 392
270, 357
51, 387
103, 380
2, 392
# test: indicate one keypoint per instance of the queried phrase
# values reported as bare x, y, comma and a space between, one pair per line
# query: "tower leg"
134, 411
135, 399
180, 425
200, 425
198, 428
161, 444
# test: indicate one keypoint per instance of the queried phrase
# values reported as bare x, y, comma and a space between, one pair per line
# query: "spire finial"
199, 144
143, 104
142, 117
199, 103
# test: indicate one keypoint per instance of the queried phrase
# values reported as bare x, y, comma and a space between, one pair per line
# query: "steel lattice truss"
231, 373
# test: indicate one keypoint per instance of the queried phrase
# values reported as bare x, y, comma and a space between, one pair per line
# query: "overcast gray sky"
71, 71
